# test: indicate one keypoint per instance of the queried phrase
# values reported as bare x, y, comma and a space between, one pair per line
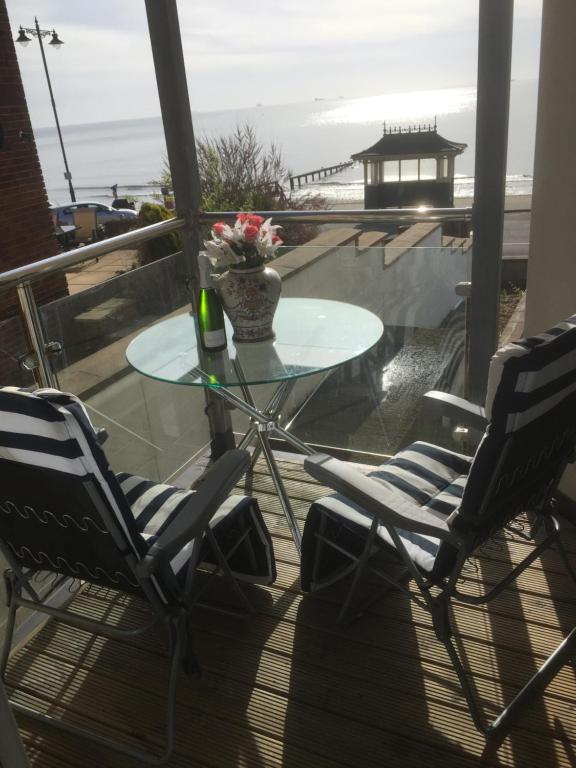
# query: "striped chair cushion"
154, 506
530, 404
432, 477
530, 376
51, 430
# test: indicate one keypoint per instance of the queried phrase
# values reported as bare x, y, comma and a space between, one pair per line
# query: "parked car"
104, 213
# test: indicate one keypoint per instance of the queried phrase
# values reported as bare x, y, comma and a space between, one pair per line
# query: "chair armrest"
389, 507
457, 408
195, 516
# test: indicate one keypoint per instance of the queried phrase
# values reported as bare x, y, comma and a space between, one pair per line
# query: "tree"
238, 173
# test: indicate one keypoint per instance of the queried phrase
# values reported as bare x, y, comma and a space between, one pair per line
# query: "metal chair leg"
148, 758
227, 571
360, 569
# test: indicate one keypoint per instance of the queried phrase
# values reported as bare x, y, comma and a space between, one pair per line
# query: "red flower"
250, 218
218, 228
251, 233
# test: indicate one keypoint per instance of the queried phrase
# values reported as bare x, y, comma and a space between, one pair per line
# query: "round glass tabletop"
312, 335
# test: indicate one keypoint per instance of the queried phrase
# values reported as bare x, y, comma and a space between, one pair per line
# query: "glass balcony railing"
16, 363
16, 366
374, 405
153, 429
370, 405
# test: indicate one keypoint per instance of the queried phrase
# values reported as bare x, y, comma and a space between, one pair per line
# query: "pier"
320, 173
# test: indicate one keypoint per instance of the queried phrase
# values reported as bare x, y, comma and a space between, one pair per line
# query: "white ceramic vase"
249, 298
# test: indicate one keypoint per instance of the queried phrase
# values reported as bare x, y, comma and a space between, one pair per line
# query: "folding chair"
433, 508
63, 511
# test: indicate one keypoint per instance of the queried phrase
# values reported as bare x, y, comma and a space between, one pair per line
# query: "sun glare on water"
407, 107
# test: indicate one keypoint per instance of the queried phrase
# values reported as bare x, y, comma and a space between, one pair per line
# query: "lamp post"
23, 39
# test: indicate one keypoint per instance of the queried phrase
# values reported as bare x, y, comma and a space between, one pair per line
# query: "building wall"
551, 285
26, 230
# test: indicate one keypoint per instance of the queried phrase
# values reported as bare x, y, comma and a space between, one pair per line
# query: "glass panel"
16, 361
409, 170
373, 173
374, 404
14, 357
428, 168
370, 402
154, 427
391, 170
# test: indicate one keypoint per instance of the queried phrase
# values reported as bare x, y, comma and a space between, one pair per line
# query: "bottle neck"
204, 272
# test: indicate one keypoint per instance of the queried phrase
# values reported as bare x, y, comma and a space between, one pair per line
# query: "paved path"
95, 272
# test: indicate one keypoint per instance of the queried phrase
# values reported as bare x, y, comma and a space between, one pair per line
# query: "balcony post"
493, 102
168, 56
43, 372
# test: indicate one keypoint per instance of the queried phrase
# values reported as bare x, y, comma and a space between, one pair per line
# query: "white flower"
265, 244
221, 254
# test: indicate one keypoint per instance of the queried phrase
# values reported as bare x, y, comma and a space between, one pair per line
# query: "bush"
238, 173
152, 213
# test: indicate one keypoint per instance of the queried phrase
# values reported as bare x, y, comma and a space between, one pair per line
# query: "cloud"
238, 54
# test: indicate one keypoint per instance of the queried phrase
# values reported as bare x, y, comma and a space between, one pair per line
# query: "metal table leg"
281, 491
264, 423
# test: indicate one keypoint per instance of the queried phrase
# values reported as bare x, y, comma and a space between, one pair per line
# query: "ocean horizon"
310, 135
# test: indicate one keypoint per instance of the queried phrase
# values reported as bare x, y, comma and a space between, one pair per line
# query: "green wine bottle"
210, 315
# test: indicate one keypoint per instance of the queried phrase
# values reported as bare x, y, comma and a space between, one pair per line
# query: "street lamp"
56, 43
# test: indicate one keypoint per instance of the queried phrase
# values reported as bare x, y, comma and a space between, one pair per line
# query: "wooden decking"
287, 688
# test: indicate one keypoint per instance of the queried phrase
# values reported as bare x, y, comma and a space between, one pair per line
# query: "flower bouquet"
251, 241
249, 291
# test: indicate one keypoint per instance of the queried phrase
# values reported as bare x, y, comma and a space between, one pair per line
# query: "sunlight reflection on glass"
399, 107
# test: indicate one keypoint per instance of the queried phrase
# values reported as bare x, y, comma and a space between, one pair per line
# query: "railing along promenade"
22, 277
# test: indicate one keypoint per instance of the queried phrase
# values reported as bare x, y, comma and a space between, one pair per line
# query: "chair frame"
216, 484
384, 506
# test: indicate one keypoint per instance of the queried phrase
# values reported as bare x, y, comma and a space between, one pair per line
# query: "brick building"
26, 230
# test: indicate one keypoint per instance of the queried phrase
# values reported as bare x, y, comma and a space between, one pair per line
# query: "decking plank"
286, 687
302, 676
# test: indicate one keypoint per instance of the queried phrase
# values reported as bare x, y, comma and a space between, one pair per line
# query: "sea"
310, 135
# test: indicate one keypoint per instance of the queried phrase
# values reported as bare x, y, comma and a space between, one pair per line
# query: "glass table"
312, 336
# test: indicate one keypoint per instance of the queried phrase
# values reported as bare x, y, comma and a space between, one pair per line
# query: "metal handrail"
23, 277
371, 216
52, 264
38, 269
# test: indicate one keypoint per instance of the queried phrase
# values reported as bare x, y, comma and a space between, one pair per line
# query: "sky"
256, 52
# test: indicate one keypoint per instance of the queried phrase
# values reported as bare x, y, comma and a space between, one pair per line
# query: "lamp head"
22, 38
56, 42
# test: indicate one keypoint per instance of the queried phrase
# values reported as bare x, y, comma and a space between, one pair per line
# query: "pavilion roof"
399, 142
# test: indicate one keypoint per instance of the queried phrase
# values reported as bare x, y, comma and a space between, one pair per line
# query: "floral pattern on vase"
249, 298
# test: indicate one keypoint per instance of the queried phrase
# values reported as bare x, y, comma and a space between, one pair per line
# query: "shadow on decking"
287, 688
